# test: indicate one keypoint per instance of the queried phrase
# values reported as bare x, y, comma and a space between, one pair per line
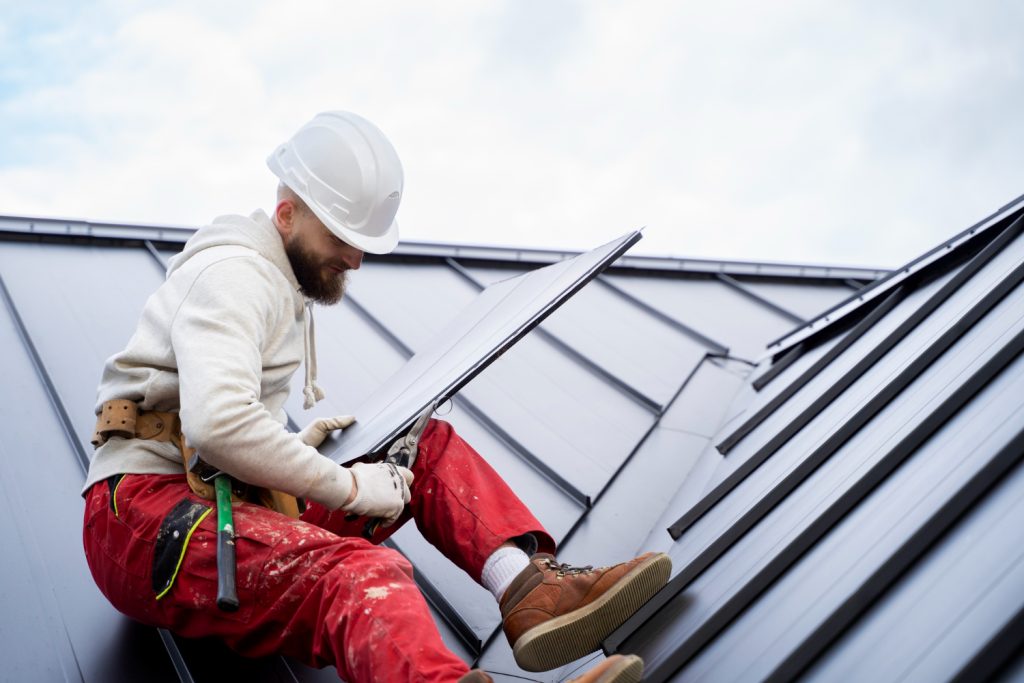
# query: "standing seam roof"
855, 484
857, 517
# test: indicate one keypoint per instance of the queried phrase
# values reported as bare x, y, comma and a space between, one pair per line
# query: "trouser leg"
304, 591
460, 504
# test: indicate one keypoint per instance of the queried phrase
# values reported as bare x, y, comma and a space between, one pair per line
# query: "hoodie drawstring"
312, 391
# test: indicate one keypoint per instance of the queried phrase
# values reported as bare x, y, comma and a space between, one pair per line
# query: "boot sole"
567, 638
630, 670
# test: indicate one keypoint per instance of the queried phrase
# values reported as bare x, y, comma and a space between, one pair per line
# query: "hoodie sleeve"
218, 335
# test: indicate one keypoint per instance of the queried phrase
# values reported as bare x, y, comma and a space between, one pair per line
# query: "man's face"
320, 260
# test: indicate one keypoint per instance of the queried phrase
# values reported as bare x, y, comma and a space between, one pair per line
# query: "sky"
842, 132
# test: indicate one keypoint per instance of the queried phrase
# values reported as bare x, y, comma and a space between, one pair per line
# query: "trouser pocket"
172, 539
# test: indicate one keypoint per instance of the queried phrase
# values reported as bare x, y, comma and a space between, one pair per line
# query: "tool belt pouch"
116, 418
123, 418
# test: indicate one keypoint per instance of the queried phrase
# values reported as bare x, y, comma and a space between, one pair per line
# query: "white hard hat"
349, 175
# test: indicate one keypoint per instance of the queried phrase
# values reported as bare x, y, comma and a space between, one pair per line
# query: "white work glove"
316, 431
381, 490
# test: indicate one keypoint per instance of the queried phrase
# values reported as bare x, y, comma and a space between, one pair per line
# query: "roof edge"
77, 228
894, 278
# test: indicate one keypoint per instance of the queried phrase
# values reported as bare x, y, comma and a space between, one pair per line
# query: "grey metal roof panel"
868, 388
818, 408
716, 595
353, 360
796, 369
1013, 672
609, 531
530, 386
712, 308
498, 316
806, 301
703, 403
56, 623
533, 383
825, 581
761, 399
414, 301
361, 341
980, 232
929, 623
641, 350
742, 544
85, 300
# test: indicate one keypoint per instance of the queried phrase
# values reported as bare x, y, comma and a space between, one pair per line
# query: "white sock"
501, 567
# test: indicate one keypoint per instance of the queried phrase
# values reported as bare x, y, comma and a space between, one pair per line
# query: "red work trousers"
312, 589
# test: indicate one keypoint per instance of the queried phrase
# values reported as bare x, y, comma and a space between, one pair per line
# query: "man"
208, 369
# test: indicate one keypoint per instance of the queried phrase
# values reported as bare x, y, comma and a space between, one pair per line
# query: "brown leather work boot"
553, 613
476, 676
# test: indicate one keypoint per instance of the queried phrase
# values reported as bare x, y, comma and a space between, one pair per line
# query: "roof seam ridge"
757, 298
624, 387
832, 392
822, 524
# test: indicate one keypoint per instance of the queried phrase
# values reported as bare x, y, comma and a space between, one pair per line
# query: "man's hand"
379, 490
317, 430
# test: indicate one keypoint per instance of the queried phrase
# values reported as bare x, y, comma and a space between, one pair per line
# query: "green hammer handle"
227, 597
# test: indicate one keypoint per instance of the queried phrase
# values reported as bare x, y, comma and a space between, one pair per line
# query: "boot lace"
565, 569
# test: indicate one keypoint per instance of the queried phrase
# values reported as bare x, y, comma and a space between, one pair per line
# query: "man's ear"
284, 217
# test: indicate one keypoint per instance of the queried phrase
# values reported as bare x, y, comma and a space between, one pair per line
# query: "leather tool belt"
124, 419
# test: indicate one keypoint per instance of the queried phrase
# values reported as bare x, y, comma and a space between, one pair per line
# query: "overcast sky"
832, 132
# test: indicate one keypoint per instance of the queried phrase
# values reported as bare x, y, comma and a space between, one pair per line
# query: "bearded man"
207, 372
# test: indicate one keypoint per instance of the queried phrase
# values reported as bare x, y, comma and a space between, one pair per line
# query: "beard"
316, 280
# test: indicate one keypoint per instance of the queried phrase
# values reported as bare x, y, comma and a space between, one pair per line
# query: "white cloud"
835, 133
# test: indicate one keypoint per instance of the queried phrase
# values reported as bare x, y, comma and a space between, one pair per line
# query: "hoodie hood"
255, 231
258, 232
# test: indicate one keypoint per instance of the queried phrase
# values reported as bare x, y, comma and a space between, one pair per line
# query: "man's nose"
353, 258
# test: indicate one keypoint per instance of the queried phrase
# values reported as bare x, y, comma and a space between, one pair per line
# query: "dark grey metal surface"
867, 358
774, 542
851, 551
638, 348
82, 294
841, 423
980, 232
702, 308
788, 554
63, 296
56, 625
497, 318
822, 361
857, 550
742, 288
806, 302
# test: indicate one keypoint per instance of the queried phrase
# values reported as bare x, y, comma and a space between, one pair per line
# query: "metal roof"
819, 494
857, 519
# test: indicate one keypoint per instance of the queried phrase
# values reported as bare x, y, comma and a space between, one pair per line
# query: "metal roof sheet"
883, 449
857, 472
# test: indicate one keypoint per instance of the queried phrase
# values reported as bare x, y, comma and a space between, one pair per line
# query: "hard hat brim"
380, 244
371, 244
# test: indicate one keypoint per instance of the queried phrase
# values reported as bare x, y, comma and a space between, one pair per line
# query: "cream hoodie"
219, 341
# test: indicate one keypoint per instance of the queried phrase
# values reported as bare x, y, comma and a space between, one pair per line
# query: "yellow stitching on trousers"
114, 495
